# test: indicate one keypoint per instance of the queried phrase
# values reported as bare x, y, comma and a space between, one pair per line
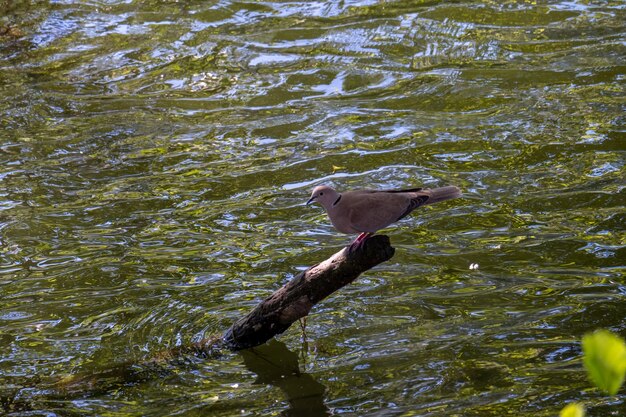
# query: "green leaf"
605, 360
573, 410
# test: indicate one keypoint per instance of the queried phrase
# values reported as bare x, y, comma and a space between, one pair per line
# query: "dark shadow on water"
276, 365
273, 363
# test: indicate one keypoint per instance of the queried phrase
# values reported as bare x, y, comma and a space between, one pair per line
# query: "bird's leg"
358, 242
363, 236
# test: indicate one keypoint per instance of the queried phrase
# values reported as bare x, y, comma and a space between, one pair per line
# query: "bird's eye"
322, 193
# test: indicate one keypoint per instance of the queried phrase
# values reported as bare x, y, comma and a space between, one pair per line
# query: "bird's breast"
340, 219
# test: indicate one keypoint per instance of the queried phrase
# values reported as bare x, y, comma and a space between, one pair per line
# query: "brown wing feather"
408, 190
420, 200
371, 210
374, 211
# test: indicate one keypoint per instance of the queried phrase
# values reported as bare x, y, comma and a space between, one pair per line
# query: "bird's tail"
436, 195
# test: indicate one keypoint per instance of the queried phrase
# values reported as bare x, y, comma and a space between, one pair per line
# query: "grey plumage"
367, 211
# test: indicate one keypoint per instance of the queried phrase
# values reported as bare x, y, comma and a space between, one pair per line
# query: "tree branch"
295, 299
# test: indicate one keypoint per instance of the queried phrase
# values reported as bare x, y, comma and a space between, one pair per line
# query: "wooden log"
295, 299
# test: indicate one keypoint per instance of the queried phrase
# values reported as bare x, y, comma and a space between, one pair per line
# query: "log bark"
295, 299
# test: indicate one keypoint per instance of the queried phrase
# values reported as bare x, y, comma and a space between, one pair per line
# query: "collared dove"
366, 211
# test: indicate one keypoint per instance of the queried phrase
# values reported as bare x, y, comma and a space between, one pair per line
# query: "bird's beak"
311, 200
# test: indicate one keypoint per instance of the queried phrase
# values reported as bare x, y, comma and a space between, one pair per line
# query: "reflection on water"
276, 365
155, 158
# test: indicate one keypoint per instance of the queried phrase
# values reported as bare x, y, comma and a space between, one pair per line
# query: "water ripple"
155, 159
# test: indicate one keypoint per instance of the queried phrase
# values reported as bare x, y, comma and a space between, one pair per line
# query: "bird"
367, 211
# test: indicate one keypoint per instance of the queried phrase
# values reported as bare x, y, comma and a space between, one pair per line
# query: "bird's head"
324, 195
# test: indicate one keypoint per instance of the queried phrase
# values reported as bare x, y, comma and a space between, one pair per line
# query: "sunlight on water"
155, 158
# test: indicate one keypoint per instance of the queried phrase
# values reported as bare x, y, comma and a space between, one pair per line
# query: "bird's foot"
359, 241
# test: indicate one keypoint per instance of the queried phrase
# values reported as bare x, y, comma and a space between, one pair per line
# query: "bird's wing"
414, 202
371, 211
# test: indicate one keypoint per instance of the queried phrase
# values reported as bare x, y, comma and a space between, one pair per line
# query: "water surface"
154, 161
